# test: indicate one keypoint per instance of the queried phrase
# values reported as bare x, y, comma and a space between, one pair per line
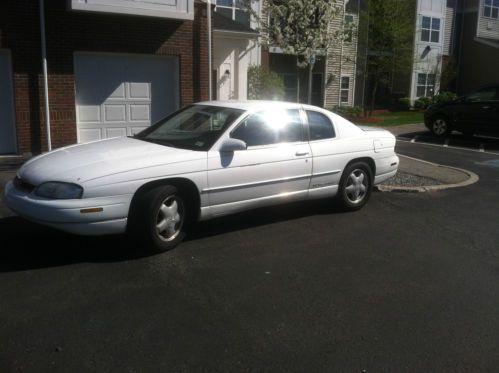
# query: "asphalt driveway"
408, 284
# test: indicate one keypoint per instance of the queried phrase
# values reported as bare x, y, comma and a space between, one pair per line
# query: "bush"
347, 111
404, 103
423, 102
444, 97
264, 84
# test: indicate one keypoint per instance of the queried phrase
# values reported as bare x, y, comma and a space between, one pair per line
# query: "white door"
119, 95
276, 165
7, 123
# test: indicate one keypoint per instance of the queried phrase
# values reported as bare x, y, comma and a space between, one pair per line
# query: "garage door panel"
140, 113
139, 90
89, 114
115, 113
119, 92
89, 134
125, 91
116, 132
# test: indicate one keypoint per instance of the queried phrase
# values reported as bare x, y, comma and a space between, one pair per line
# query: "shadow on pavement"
26, 245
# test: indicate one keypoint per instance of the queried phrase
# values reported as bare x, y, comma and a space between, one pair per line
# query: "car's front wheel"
356, 186
158, 218
440, 126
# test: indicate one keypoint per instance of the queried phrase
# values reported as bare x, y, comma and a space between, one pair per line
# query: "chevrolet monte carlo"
203, 161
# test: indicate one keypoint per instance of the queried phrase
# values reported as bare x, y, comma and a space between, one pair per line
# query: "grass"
393, 118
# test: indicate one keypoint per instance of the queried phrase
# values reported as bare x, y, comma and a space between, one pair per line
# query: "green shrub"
423, 102
264, 84
404, 103
444, 97
347, 111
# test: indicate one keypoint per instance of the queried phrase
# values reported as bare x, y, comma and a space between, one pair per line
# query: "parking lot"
409, 283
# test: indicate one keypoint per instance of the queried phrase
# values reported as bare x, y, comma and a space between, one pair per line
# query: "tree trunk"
373, 97
310, 76
297, 81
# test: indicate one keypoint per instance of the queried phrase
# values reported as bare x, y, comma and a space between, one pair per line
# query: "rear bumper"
386, 168
66, 215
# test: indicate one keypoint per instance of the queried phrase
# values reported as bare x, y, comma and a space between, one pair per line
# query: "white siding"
176, 9
428, 55
341, 61
449, 28
488, 28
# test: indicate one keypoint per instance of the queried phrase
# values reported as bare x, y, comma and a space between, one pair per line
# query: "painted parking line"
446, 143
449, 147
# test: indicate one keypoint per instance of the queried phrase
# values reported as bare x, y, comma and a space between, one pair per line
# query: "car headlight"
59, 190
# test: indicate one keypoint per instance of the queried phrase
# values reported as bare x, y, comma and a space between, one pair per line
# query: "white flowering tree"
299, 27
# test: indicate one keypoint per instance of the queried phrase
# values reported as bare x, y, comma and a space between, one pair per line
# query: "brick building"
114, 67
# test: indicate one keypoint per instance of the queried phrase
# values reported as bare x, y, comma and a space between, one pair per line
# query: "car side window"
488, 94
320, 127
270, 127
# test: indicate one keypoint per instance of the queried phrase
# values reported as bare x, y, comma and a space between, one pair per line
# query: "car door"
328, 161
275, 166
478, 112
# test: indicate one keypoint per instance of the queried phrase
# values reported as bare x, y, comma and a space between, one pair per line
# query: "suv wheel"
440, 126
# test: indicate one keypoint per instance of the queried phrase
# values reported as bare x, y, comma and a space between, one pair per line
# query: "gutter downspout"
341, 53
45, 78
210, 67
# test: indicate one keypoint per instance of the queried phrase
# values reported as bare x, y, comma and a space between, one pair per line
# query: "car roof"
251, 105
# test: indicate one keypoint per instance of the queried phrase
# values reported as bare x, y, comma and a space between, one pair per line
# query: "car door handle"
300, 154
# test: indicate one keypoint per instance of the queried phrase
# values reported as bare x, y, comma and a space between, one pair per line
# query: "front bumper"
66, 215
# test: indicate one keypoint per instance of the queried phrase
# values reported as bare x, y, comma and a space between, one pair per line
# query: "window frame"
431, 29
345, 89
305, 116
426, 83
233, 9
304, 130
492, 6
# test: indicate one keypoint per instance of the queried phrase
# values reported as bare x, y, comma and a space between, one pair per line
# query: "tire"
440, 126
158, 218
356, 186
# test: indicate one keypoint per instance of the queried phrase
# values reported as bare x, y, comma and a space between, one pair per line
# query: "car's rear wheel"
440, 126
356, 186
159, 218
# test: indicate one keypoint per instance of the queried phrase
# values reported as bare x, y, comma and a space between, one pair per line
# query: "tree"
300, 28
390, 42
264, 84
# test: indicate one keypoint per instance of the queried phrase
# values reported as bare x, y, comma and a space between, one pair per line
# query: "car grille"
23, 185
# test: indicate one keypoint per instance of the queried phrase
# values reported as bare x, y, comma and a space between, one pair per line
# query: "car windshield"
195, 127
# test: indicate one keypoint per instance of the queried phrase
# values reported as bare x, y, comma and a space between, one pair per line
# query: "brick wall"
69, 31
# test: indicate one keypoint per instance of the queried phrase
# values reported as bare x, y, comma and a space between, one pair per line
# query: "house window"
348, 27
430, 29
345, 89
234, 9
426, 85
491, 9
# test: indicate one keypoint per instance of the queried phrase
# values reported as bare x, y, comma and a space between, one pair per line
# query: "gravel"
408, 180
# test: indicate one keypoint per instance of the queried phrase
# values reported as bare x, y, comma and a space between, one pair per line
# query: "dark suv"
477, 113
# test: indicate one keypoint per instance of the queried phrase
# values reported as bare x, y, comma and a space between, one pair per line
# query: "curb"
472, 179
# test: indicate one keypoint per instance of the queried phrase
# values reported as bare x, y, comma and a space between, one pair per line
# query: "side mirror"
231, 145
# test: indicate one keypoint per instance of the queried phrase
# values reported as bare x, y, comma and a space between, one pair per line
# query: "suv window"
320, 127
486, 94
270, 127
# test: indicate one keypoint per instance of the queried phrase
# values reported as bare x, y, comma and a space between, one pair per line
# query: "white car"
203, 161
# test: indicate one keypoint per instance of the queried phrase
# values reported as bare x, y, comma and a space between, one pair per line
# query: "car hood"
84, 162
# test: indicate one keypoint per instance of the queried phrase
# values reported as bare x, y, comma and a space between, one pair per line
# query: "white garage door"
119, 95
7, 126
